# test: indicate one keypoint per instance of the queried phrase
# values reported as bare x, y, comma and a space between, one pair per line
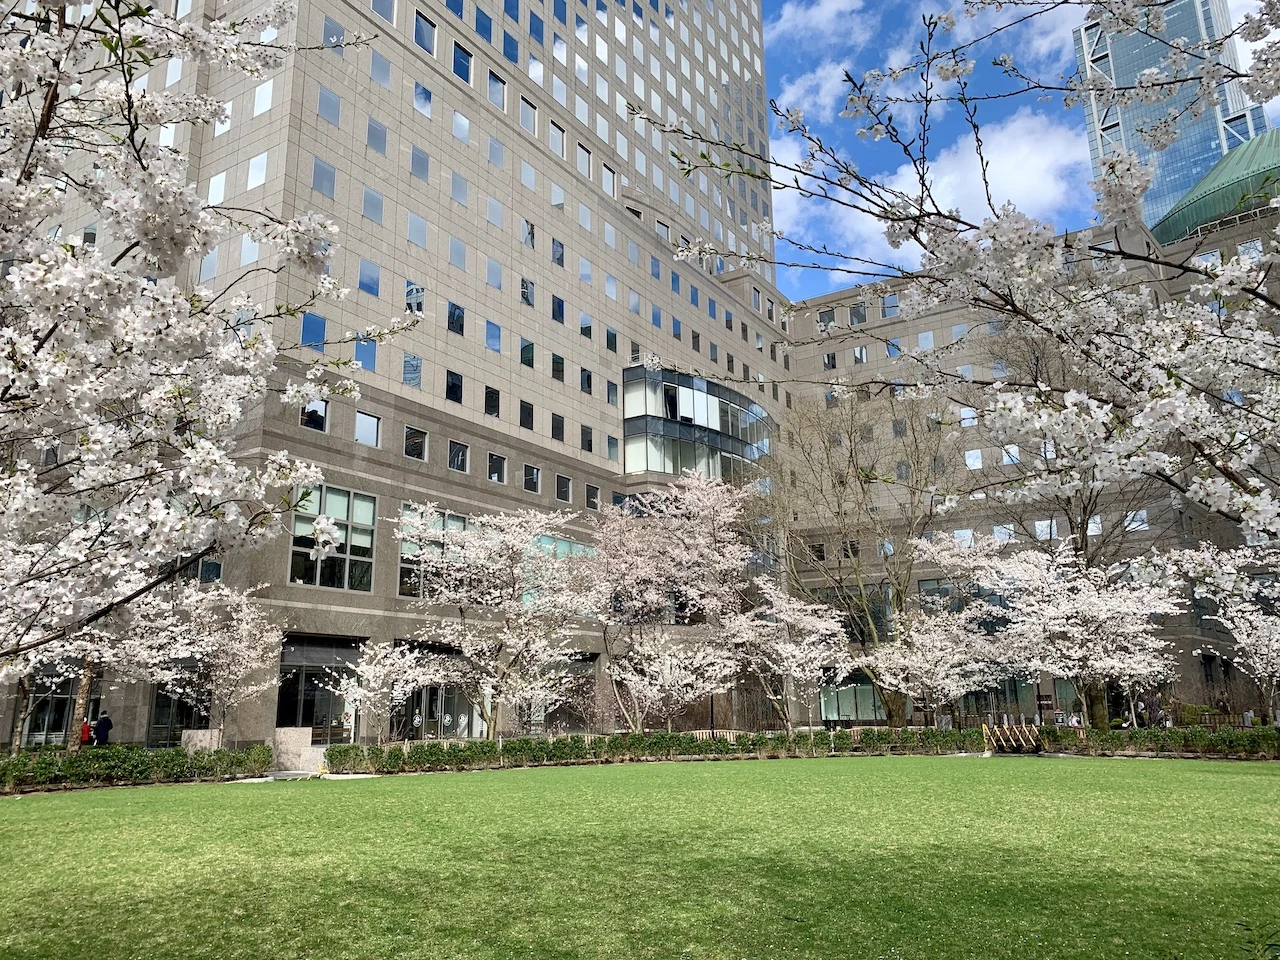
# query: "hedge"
54, 767
1260, 743
631, 747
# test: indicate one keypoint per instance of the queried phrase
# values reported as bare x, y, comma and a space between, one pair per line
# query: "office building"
1201, 139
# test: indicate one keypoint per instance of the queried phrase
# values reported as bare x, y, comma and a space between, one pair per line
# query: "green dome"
1246, 178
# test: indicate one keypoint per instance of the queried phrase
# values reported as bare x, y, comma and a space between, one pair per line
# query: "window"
557, 367
860, 354
1003, 532
528, 234
368, 428
329, 106
380, 69
609, 180
424, 33
584, 380
334, 35
584, 161
528, 116
376, 137
959, 331
257, 171
510, 48
461, 62
415, 298
492, 335
417, 230
586, 439
493, 273
313, 331
584, 324
453, 386
419, 163
461, 127
584, 269
454, 7
456, 318
411, 371
526, 352
497, 91
532, 478
262, 98
350, 566
925, 340
889, 306
415, 443
557, 309
556, 139
458, 253
612, 444
564, 489
526, 414
973, 459
593, 497
459, 456
492, 402
818, 551
315, 415
222, 126
367, 355
386, 9
557, 252
458, 188
497, 468
484, 25
1009, 455
557, 427
370, 277
421, 99
372, 207
828, 361
1137, 520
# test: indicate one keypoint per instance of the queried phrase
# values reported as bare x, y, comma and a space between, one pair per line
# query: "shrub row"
624, 747
54, 767
1258, 743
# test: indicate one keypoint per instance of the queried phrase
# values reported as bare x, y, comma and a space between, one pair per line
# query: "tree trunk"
1096, 704
895, 706
21, 711
81, 711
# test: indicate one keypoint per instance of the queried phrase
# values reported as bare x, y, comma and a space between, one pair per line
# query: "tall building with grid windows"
1202, 140
488, 174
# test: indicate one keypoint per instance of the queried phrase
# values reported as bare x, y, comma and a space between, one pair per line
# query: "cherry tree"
383, 677
662, 674
789, 645
207, 645
1241, 583
499, 602
938, 652
124, 381
1066, 619
666, 570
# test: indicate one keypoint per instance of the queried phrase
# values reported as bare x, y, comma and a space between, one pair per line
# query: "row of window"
463, 66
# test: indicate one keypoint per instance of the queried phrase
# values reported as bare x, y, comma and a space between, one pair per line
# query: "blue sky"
1037, 149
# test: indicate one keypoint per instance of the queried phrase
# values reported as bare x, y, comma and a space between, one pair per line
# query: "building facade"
1202, 139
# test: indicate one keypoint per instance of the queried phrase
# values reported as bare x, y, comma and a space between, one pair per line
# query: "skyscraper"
1202, 140
488, 174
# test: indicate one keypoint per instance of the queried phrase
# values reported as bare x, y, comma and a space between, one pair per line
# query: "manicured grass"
894, 857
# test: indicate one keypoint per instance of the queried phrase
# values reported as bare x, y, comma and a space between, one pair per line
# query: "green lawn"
893, 857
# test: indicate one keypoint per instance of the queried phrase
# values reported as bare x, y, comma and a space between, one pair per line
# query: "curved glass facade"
674, 422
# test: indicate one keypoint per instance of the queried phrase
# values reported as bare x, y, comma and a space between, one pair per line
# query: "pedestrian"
102, 730
86, 732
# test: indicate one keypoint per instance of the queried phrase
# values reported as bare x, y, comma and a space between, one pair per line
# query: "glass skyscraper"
1202, 140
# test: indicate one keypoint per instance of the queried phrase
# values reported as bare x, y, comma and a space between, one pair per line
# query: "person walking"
102, 730
86, 733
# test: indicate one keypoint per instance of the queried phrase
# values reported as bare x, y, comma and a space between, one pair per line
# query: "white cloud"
818, 23
821, 93
1038, 162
